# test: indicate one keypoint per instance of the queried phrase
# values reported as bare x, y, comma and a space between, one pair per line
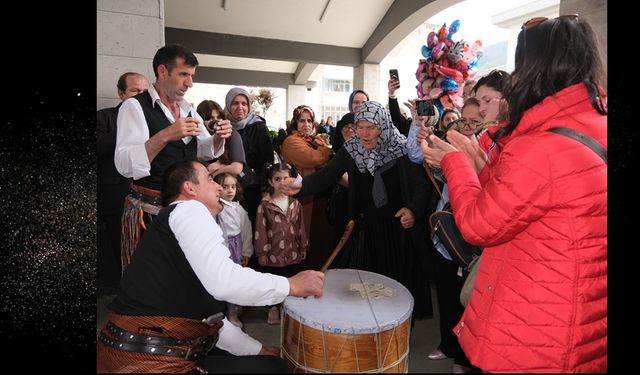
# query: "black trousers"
221, 362
448, 286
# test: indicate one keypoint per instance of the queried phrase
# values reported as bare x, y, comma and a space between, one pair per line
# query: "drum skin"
344, 332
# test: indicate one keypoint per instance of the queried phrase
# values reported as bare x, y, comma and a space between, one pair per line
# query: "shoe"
460, 369
436, 354
274, 315
233, 319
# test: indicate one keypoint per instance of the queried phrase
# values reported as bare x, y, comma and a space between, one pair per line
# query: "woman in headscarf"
257, 144
308, 153
387, 198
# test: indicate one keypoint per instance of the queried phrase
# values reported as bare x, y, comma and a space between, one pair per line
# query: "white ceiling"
262, 65
346, 23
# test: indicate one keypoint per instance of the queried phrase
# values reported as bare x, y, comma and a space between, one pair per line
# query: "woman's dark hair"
495, 79
219, 178
444, 113
271, 169
551, 56
167, 56
206, 106
174, 176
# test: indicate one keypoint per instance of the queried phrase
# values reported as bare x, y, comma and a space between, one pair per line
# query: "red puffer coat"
540, 298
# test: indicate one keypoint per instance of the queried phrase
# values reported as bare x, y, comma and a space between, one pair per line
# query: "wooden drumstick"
343, 240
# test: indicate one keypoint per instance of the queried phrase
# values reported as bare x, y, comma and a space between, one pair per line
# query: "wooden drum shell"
320, 349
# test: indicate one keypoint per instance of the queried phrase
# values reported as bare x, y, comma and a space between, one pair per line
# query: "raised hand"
183, 127
471, 147
224, 129
434, 149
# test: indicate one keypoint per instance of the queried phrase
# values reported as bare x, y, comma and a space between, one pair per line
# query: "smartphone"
393, 74
425, 108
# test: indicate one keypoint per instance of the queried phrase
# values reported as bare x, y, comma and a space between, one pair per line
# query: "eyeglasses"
535, 21
472, 124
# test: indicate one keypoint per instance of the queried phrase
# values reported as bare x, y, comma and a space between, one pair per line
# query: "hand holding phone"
393, 74
424, 108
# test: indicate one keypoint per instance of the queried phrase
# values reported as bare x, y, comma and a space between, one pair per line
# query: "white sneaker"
460, 369
436, 355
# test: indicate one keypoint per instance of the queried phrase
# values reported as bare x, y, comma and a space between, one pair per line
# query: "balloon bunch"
445, 66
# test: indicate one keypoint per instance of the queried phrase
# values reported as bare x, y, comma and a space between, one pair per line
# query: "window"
334, 111
338, 85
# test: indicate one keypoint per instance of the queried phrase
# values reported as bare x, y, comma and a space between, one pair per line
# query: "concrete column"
367, 77
595, 12
296, 95
129, 34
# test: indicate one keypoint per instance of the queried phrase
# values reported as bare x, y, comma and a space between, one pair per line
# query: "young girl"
237, 228
280, 239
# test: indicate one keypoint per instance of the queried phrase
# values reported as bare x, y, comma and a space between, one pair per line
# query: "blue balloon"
455, 26
449, 85
473, 64
438, 105
426, 52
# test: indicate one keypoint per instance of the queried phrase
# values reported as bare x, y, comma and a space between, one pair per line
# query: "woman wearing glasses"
540, 211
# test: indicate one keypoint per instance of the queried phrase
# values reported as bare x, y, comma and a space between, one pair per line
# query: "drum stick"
343, 240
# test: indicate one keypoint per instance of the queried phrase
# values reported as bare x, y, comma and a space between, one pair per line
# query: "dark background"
47, 186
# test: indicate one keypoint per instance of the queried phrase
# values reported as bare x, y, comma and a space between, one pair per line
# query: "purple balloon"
437, 51
432, 40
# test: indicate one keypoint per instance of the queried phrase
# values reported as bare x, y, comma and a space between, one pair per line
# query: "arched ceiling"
281, 42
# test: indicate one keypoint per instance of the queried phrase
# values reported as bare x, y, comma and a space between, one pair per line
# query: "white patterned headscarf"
391, 144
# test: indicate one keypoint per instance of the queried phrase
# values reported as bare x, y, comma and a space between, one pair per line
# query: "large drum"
360, 324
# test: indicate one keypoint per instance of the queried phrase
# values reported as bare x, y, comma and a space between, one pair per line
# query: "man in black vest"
112, 186
156, 129
180, 275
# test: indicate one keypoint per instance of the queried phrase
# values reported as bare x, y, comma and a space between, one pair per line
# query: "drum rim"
328, 327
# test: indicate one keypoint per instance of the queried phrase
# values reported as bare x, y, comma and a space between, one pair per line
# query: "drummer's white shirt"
200, 238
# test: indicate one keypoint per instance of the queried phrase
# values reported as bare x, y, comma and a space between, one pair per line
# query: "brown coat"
280, 236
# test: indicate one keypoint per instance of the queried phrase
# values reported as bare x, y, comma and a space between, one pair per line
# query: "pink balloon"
437, 51
432, 40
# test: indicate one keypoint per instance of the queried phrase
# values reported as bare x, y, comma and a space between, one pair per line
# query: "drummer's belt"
147, 337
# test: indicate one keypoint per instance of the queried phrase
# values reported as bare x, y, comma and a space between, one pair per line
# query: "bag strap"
433, 180
584, 139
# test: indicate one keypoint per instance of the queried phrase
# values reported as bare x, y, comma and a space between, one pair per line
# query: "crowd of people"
200, 216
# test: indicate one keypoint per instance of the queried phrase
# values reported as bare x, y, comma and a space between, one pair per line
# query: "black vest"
172, 152
160, 281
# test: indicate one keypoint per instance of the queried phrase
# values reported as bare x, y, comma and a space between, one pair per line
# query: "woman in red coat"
540, 297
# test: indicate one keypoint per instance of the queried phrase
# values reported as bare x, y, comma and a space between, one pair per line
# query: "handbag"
474, 266
443, 226
470, 281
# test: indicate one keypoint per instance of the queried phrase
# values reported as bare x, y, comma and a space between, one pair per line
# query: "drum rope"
340, 352
324, 349
374, 371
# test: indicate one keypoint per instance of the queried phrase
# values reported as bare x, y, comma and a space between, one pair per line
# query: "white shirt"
200, 238
132, 132
236, 221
